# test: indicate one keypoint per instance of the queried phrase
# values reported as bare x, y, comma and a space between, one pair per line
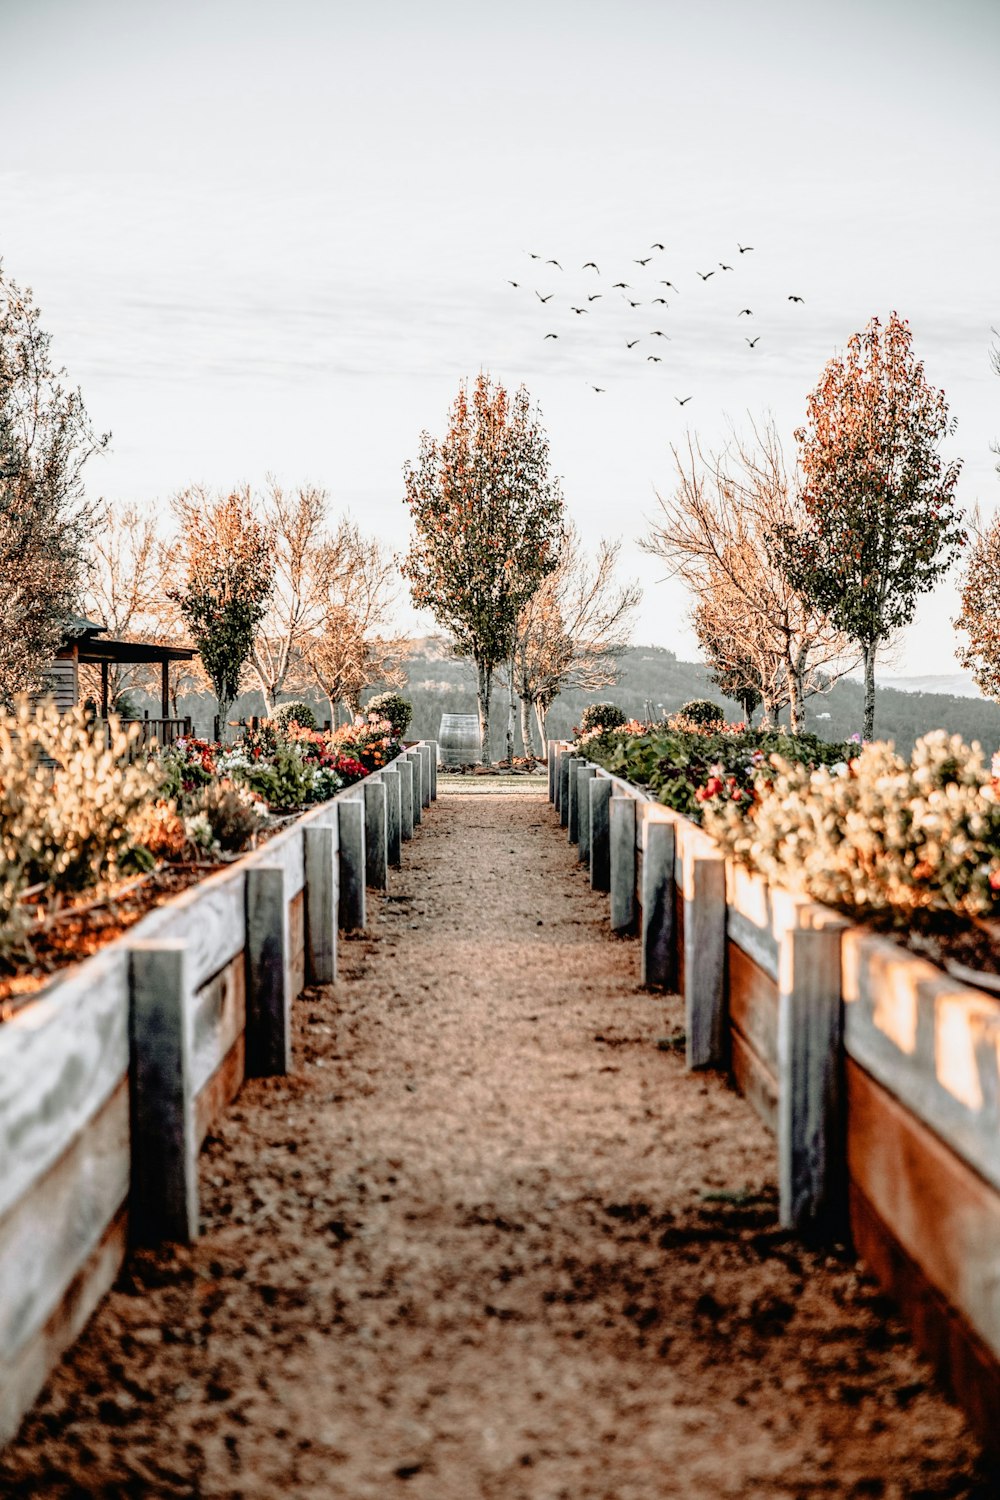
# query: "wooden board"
679, 933
753, 1006
749, 917
220, 1017
221, 1089
943, 1215
757, 1085
210, 918
60, 1059
49, 1234
297, 943
286, 850
22, 1378
933, 1042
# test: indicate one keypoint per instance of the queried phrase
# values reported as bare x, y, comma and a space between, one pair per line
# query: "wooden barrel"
458, 740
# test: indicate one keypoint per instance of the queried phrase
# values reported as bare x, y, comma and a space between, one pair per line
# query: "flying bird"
579, 309
545, 299
599, 388
593, 264
662, 300
550, 336
658, 334
747, 310
553, 263
704, 276
655, 358
680, 402
631, 303
615, 284
644, 262
743, 248
595, 296
657, 246
533, 255
670, 285
751, 342
632, 345
512, 283
796, 299
724, 267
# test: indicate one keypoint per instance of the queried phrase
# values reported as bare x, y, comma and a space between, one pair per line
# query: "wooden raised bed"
878, 1073
111, 1078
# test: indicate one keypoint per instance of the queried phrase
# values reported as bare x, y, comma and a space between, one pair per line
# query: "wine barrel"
458, 740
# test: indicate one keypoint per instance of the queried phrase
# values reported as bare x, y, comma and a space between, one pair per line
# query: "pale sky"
275, 237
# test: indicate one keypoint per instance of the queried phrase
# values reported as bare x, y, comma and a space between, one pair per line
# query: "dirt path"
491, 1240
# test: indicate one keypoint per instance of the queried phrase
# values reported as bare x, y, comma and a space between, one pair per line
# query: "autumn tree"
352, 647
882, 524
308, 565
46, 439
715, 533
572, 631
224, 570
487, 518
980, 614
734, 670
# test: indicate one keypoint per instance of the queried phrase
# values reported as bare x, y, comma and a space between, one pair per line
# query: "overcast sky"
275, 237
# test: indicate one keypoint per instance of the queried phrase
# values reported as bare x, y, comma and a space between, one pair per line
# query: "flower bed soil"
491, 1240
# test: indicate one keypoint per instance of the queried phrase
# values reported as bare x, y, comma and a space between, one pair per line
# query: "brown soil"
491, 1240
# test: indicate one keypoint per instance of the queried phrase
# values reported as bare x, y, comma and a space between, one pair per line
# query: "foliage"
226, 574
882, 523
233, 814
45, 440
159, 829
601, 716
487, 517
394, 709
878, 833
678, 764
980, 615
287, 714
703, 711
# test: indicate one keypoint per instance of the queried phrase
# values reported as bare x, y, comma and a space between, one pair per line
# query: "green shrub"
293, 713
601, 716
283, 782
391, 706
233, 815
703, 711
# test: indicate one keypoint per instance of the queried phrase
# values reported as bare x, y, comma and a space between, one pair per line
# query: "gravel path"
491, 1240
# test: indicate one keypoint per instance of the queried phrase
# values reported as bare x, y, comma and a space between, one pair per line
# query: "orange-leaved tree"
488, 523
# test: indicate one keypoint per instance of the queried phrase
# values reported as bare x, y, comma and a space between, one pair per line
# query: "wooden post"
600, 833
105, 698
393, 815
425, 774
584, 776
573, 800
417, 762
562, 788
812, 1165
269, 990
352, 902
622, 809
376, 847
435, 751
320, 847
164, 1194
405, 768
704, 952
657, 965
165, 689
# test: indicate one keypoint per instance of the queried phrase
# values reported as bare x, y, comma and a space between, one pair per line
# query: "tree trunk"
794, 696
225, 705
526, 727
483, 703
869, 729
511, 711
541, 714
769, 717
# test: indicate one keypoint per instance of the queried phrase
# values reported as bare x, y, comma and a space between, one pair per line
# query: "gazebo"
85, 641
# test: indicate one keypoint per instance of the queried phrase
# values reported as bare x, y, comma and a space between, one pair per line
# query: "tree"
882, 524
350, 651
45, 440
488, 525
308, 563
225, 576
980, 615
716, 532
572, 630
734, 669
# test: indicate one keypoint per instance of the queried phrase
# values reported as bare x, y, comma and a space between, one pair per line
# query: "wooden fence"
878, 1074
111, 1079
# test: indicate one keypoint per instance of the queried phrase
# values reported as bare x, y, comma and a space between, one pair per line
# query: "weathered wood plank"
943, 1214
600, 833
572, 799
286, 850
657, 952
749, 918
416, 761
297, 944
584, 776
933, 1042
405, 768
164, 1150
23, 1378
352, 900
219, 1017
269, 995
623, 902
435, 751
60, 1059
210, 918
426, 774
376, 846
757, 1085
393, 816
753, 1005
562, 788
220, 1089
705, 953
48, 1235
322, 869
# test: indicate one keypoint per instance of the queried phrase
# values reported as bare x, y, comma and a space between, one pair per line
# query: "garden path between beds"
491, 1240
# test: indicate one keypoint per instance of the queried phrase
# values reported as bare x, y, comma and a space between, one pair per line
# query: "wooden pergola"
85, 642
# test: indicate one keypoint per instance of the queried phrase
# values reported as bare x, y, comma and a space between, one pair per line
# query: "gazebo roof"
82, 640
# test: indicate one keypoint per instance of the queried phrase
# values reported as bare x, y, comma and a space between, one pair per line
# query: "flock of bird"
628, 297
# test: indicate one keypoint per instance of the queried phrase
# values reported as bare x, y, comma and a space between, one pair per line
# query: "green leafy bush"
284, 781
702, 711
601, 716
395, 709
293, 713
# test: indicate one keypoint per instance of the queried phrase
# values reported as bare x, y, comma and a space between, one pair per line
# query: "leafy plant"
601, 716
396, 710
293, 713
703, 711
